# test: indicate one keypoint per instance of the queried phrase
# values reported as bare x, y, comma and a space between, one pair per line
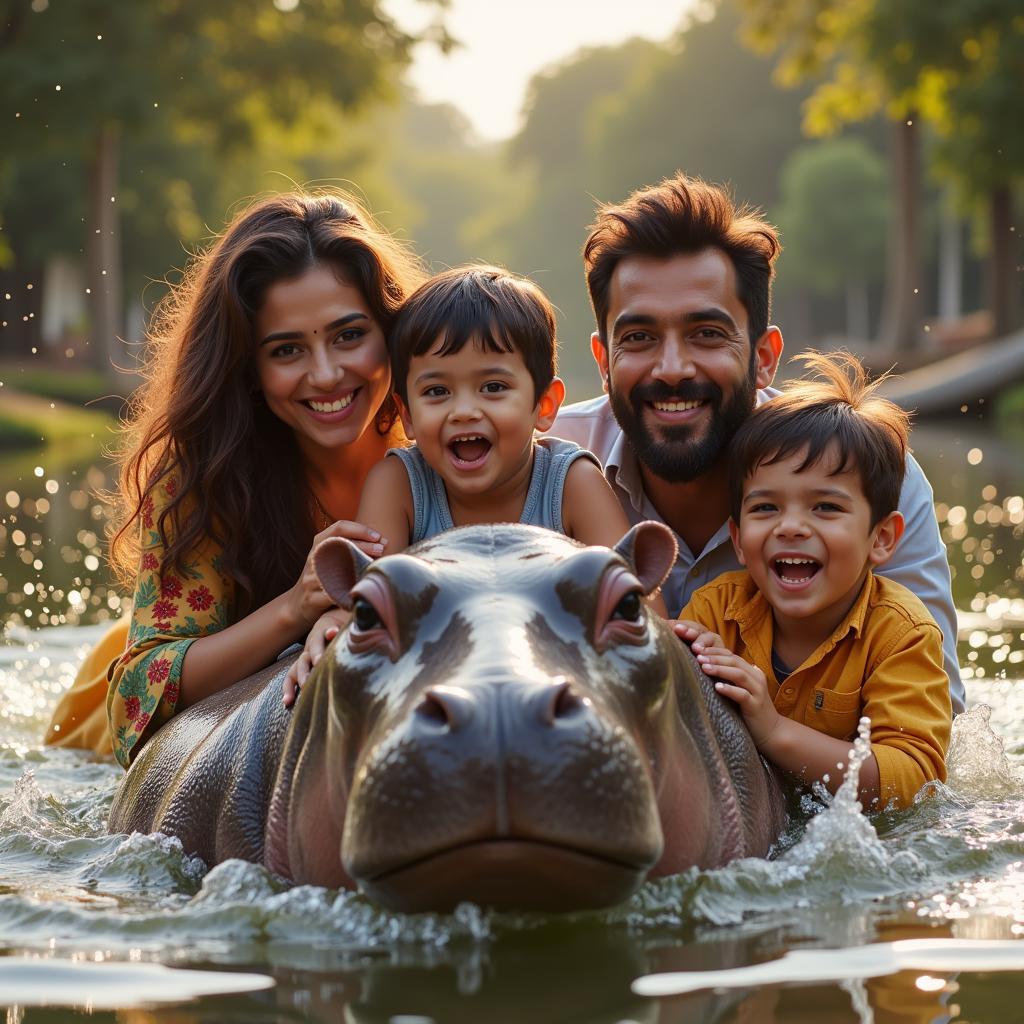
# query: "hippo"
503, 721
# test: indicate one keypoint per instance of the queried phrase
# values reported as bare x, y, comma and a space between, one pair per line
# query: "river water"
90, 922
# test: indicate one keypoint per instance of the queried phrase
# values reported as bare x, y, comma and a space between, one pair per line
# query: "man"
680, 282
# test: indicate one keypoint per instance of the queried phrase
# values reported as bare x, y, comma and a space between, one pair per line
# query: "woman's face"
321, 358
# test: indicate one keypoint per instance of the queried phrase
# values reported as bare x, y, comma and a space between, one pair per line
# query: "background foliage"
132, 131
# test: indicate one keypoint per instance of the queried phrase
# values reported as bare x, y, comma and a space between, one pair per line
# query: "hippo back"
206, 775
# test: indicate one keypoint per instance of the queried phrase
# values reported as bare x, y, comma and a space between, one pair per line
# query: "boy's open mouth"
793, 569
469, 449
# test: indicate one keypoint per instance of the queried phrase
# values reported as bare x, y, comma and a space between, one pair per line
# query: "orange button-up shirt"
884, 660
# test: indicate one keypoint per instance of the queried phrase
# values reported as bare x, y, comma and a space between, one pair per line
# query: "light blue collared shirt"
919, 562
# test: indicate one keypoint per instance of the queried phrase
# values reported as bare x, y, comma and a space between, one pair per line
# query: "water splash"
839, 859
977, 764
23, 806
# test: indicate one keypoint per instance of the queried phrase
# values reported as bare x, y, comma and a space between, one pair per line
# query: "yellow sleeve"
906, 696
169, 612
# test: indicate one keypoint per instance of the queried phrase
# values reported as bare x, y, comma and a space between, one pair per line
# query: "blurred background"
884, 139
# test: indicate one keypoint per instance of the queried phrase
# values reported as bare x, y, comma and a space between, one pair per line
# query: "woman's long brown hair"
199, 419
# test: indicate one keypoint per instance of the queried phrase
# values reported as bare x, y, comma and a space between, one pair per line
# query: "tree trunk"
106, 350
900, 321
857, 311
951, 253
1001, 262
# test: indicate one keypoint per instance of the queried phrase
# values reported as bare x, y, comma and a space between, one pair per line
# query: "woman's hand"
747, 686
307, 599
324, 630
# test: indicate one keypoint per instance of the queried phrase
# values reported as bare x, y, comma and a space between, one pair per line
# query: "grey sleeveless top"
552, 458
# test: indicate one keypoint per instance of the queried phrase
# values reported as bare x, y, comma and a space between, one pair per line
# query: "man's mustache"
686, 391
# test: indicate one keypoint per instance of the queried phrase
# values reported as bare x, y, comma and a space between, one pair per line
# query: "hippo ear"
339, 564
650, 549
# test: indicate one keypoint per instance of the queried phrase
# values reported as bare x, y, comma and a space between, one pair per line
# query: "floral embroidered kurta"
169, 612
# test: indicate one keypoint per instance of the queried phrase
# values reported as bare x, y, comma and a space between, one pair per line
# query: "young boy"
473, 364
806, 639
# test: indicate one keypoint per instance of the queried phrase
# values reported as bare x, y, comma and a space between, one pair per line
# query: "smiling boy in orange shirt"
806, 639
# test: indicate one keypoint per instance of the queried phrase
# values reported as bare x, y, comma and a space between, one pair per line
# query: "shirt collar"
623, 470
749, 608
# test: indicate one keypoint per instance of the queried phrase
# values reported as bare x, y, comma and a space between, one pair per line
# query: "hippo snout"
549, 704
473, 772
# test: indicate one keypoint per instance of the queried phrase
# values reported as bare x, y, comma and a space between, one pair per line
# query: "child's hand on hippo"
324, 630
697, 636
745, 684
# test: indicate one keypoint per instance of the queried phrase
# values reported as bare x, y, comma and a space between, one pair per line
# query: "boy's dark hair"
841, 412
683, 215
497, 309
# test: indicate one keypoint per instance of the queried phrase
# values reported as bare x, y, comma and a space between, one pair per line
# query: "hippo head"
498, 723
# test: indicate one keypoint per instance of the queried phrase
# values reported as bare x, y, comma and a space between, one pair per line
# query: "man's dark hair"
838, 413
488, 305
683, 215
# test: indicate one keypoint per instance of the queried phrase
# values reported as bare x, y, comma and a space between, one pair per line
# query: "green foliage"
78, 387
959, 66
684, 111
613, 119
194, 90
223, 69
16, 434
544, 225
834, 214
26, 421
962, 67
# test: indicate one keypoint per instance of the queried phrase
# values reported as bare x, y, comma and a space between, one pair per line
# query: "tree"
79, 79
815, 37
959, 67
691, 109
833, 216
962, 66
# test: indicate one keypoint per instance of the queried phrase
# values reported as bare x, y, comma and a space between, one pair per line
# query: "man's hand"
324, 630
747, 686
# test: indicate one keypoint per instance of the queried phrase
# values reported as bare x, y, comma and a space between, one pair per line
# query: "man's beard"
680, 456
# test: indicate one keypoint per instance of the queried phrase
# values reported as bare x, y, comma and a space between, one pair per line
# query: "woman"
265, 405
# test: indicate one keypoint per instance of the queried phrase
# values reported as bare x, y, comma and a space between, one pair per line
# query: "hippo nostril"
564, 702
445, 706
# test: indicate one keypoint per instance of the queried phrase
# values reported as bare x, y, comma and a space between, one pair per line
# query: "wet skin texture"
503, 722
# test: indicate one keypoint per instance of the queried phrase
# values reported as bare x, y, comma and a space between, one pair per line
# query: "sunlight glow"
504, 45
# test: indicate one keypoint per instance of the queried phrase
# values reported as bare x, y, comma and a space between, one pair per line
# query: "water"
86, 918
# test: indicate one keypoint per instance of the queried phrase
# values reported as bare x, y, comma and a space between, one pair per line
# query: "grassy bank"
28, 421
82, 387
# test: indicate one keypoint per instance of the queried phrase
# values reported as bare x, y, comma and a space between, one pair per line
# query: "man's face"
679, 368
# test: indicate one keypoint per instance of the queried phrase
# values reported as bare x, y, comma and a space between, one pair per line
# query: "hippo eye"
628, 609
364, 615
